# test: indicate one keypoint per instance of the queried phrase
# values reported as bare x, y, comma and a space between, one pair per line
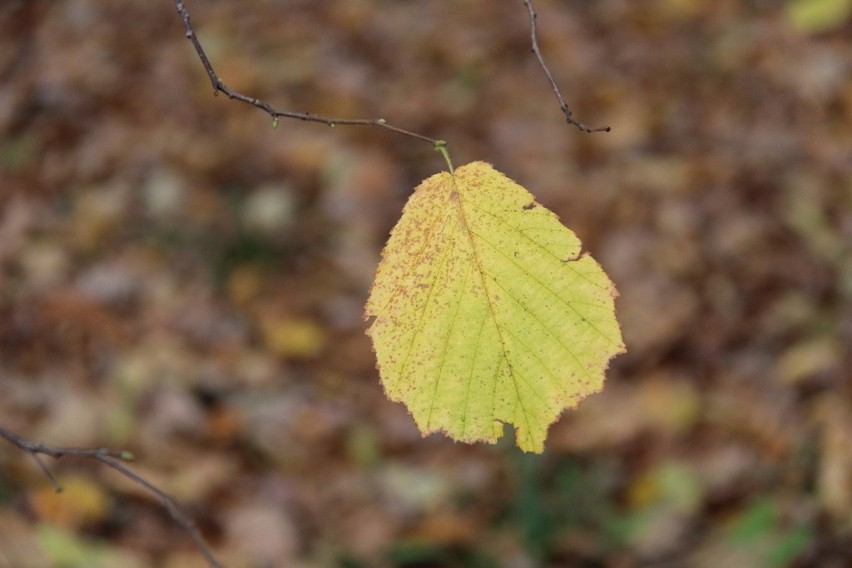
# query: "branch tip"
569, 116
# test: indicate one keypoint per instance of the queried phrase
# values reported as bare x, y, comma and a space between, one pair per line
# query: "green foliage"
424, 555
561, 501
757, 529
67, 550
486, 313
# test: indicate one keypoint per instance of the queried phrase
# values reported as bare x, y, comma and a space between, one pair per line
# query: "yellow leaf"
81, 501
486, 313
298, 338
816, 16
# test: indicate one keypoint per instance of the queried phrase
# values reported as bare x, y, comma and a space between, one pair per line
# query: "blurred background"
179, 279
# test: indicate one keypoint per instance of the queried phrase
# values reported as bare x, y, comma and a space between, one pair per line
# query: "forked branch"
569, 116
220, 87
115, 460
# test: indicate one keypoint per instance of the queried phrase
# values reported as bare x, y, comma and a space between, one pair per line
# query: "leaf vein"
460, 206
446, 349
419, 327
539, 245
547, 288
472, 372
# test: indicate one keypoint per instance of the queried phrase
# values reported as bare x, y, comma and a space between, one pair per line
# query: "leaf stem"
441, 148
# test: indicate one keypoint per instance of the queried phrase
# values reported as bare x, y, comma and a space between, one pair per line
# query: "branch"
114, 460
219, 87
569, 116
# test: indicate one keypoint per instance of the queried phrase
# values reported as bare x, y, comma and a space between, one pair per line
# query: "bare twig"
219, 87
114, 459
569, 116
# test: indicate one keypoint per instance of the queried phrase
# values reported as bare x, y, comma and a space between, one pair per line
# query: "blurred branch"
569, 116
113, 459
219, 87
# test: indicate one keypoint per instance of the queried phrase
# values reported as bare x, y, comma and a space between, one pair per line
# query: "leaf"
486, 313
82, 501
817, 16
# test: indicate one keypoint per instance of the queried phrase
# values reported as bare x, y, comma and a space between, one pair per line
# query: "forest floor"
181, 280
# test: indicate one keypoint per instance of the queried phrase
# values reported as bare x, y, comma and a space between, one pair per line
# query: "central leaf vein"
460, 202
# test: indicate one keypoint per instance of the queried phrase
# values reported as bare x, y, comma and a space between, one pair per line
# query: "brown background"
179, 279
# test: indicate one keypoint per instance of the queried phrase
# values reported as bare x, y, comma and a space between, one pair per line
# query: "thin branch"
115, 459
569, 116
219, 87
